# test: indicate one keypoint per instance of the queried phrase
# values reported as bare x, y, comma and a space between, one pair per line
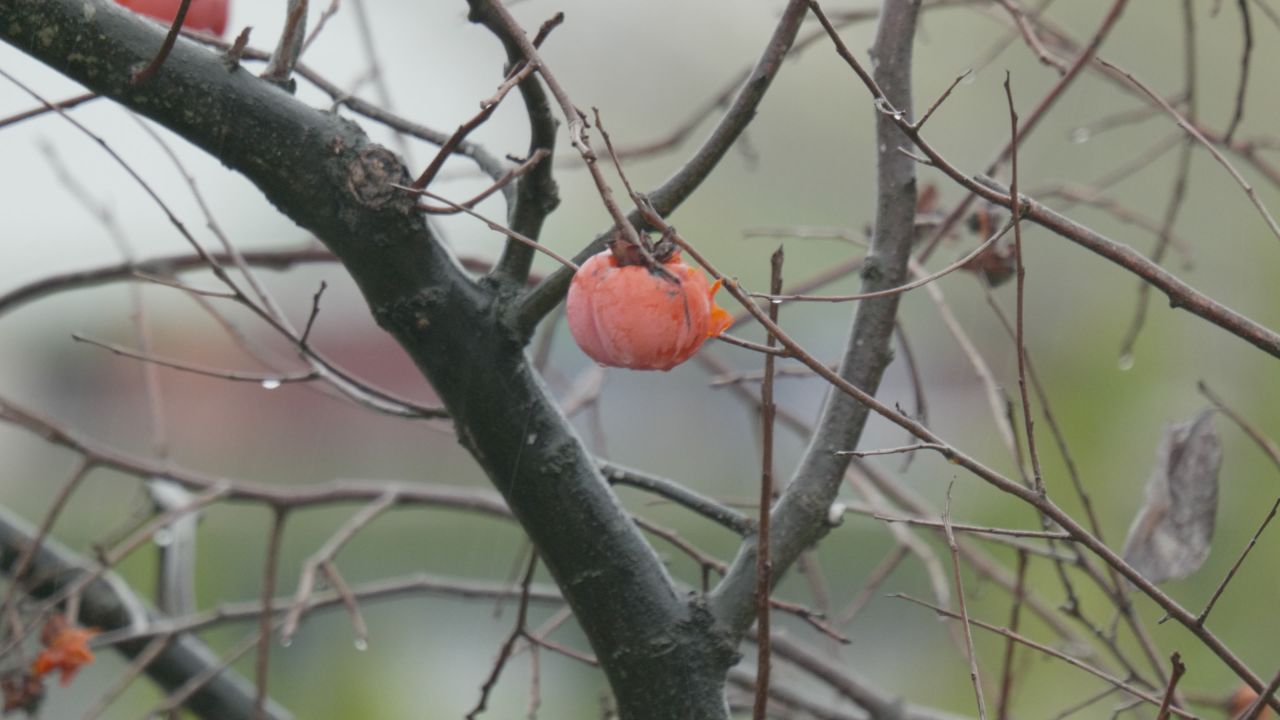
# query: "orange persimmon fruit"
1241, 700
208, 15
66, 649
625, 315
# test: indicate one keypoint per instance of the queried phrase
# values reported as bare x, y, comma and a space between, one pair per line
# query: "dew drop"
1125, 363
270, 384
969, 79
286, 641
162, 538
361, 644
775, 301
1080, 135
533, 438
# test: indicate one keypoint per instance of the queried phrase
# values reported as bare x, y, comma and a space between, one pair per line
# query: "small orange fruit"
1241, 700
625, 315
66, 649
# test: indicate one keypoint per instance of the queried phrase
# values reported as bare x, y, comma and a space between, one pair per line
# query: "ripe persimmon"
627, 315
1242, 700
208, 15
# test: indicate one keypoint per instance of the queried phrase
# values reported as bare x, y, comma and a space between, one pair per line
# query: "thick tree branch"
663, 656
537, 194
109, 604
800, 517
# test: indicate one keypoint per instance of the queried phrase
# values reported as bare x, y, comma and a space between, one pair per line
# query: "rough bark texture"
661, 651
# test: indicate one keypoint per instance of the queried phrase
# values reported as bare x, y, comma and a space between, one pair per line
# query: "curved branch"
800, 516
109, 604
662, 653
537, 194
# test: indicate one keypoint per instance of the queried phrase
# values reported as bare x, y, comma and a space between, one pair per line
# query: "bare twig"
324, 556
315, 312
509, 644
921, 280
764, 567
1192, 130
974, 677
1015, 616
271, 379
1246, 54
1269, 448
51, 107
1171, 690
1051, 652
1015, 213
269, 575
1236, 565
140, 77
279, 69
498, 227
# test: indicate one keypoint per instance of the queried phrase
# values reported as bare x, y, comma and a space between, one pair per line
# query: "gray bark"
799, 518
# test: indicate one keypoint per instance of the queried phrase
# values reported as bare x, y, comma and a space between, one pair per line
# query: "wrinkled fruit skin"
208, 15
625, 316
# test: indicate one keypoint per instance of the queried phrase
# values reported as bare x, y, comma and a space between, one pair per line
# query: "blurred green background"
808, 159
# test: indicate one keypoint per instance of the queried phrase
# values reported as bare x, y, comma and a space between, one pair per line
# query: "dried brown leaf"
1170, 536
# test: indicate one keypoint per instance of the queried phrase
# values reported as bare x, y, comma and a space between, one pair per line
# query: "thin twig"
17, 576
272, 380
1054, 653
974, 677
1195, 132
279, 69
1171, 690
315, 312
1015, 616
872, 584
269, 574
1246, 54
509, 644
487, 108
979, 529
921, 280
1021, 281
764, 566
141, 77
340, 586
136, 667
1236, 565
1268, 447
325, 554
51, 107
497, 227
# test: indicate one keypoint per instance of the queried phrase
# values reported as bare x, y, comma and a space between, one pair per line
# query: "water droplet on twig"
271, 384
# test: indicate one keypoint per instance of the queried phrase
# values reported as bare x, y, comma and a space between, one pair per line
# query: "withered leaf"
1170, 536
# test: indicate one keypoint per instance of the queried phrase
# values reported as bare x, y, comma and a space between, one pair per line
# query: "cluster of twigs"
1076, 548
